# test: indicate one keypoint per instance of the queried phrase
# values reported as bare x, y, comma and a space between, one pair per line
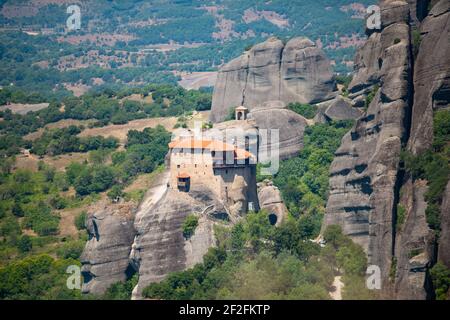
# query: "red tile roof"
213, 145
183, 175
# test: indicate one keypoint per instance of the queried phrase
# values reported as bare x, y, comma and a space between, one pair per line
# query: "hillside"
196, 150
135, 42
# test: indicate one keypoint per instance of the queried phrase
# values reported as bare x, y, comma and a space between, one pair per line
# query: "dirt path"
336, 294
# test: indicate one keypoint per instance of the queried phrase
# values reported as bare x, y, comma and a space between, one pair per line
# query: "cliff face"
366, 177
272, 71
160, 247
105, 257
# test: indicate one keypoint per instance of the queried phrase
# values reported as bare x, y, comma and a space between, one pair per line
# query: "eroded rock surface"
367, 183
364, 172
160, 246
272, 71
444, 243
290, 125
105, 257
271, 201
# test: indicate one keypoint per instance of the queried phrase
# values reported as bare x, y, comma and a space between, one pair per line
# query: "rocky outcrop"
270, 200
340, 108
105, 257
279, 129
431, 92
367, 185
238, 197
431, 76
413, 244
272, 116
364, 174
297, 71
444, 243
160, 246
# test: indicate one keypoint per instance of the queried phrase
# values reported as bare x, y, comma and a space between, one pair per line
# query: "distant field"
120, 131
57, 125
60, 162
138, 98
21, 108
196, 80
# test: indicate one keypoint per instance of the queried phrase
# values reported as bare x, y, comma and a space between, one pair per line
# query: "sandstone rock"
272, 71
105, 257
365, 181
444, 241
160, 247
413, 245
270, 200
238, 197
368, 62
431, 76
364, 174
342, 109
273, 116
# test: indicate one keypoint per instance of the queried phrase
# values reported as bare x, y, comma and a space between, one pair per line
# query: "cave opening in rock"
273, 219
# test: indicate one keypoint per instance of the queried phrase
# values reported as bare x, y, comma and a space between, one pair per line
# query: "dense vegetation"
65, 140
31, 204
255, 260
105, 107
306, 110
303, 180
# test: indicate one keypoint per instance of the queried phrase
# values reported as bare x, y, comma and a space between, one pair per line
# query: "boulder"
342, 109
270, 200
274, 117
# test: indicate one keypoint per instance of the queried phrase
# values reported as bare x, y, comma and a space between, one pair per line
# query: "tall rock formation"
160, 247
105, 256
366, 176
297, 71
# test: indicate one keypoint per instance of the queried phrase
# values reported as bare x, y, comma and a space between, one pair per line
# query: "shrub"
115, 193
121, 291
440, 276
370, 97
231, 114
306, 110
39, 217
401, 212
189, 225
24, 244
17, 210
70, 250
80, 220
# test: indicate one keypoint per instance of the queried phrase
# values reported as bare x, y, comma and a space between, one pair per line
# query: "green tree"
24, 244
190, 223
440, 276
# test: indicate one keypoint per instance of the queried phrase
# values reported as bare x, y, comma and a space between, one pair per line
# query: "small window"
178, 166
